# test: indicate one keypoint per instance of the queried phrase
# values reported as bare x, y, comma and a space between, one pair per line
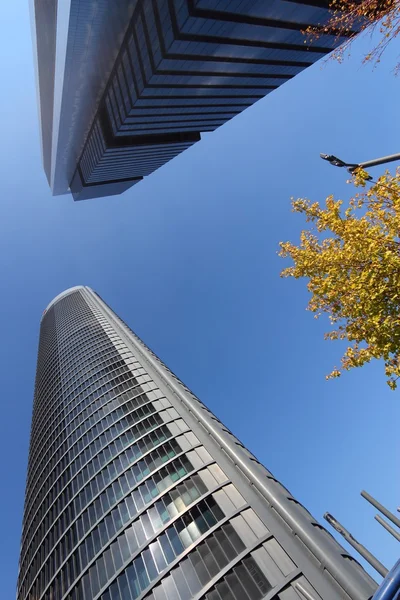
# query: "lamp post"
351, 167
366, 554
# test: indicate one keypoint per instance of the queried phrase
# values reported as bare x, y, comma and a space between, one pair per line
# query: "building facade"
124, 87
136, 490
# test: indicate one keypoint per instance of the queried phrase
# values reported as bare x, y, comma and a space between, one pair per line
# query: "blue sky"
188, 259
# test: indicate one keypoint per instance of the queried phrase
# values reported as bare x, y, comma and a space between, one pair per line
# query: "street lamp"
351, 167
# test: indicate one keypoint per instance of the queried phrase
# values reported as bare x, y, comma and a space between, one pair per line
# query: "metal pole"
381, 508
374, 562
388, 527
389, 588
379, 161
351, 167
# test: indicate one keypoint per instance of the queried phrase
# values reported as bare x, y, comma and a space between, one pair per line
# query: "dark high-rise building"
125, 86
136, 490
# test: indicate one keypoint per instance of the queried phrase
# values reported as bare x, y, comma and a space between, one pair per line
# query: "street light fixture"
351, 167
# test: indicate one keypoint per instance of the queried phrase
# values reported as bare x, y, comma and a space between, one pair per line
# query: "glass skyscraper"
126, 85
136, 490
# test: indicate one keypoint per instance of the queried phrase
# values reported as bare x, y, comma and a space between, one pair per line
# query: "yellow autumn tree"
351, 257
381, 17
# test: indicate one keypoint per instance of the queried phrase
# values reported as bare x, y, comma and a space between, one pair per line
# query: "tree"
349, 16
351, 257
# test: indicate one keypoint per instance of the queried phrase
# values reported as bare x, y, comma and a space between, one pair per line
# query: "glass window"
209, 516
163, 512
124, 589
193, 529
136, 472
123, 511
140, 535
116, 554
131, 539
233, 538
104, 502
109, 563
158, 556
138, 499
167, 480
166, 547
94, 580
247, 581
98, 509
158, 594
236, 586
178, 501
198, 513
145, 520
110, 526
117, 490
114, 591
130, 478
130, 506
89, 548
216, 510
174, 540
199, 567
169, 587
132, 578
96, 540
145, 471
225, 592
183, 533
155, 518
103, 533
82, 556
256, 574
189, 495
171, 507
190, 576
92, 514
213, 595
149, 563
87, 591
152, 487
226, 545
116, 517
181, 584
101, 570
123, 545
208, 560
223, 500
141, 572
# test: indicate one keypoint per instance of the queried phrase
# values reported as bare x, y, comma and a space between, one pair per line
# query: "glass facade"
153, 75
136, 490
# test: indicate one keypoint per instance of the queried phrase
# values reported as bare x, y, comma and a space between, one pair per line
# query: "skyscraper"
124, 87
136, 490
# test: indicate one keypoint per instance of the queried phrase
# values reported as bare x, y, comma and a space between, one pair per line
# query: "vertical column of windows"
55, 450
121, 431
53, 492
49, 396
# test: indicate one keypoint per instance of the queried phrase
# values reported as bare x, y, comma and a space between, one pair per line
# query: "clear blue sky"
188, 259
